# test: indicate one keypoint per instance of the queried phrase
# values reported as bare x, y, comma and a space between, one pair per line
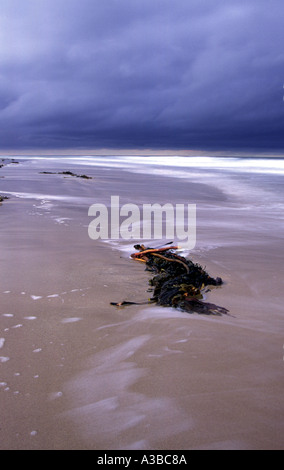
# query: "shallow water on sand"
77, 372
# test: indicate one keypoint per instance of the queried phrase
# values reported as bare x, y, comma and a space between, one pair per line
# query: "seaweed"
177, 281
66, 173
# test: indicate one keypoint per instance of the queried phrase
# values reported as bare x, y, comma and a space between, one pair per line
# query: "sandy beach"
79, 373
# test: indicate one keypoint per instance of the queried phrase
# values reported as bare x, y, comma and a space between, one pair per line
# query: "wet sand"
78, 373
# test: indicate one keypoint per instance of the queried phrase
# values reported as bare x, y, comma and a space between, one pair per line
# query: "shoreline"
81, 374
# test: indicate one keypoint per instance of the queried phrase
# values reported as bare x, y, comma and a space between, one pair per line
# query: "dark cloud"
152, 74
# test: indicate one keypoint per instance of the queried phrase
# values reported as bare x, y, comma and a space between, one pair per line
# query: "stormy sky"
142, 74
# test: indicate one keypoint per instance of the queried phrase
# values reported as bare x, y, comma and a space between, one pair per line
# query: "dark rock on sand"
65, 173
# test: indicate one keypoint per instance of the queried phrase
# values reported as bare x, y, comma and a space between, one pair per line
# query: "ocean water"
256, 182
242, 196
233, 175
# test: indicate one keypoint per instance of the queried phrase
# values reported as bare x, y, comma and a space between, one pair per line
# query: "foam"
257, 165
4, 359
241, 164
71, 320
45, 198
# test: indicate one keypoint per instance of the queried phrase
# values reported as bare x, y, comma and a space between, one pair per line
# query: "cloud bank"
154, 74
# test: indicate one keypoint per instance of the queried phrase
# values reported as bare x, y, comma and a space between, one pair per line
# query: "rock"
65, 173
